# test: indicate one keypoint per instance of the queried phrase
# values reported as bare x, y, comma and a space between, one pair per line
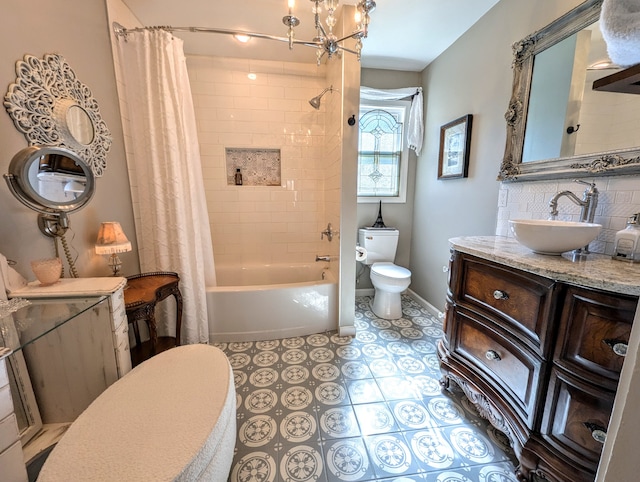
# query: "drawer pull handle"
598, 432
619, 347
492, 355
500, 295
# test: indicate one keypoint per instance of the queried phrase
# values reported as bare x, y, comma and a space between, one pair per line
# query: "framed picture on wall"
455, 141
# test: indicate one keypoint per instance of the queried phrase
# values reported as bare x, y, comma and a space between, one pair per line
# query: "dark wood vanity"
539, 351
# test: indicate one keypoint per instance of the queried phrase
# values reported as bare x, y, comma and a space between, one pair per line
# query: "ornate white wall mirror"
557, 126
52, 107
52, 181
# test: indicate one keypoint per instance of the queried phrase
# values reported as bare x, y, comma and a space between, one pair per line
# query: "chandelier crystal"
325, 41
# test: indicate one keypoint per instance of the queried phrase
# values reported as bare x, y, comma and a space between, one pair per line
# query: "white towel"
620, 26
12, 280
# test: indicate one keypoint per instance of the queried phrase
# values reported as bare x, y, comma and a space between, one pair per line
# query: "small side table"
141, 294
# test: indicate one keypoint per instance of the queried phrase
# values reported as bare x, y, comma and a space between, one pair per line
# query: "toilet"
388, 279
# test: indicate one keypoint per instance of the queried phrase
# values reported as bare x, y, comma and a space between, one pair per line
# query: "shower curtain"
165, 168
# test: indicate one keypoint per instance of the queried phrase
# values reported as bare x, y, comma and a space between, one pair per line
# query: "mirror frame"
610, 163
39, 100
18, 180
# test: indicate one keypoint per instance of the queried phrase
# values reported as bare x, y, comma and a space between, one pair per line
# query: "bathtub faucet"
323, 258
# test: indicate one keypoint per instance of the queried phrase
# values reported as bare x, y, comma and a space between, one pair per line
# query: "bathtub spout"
323, 258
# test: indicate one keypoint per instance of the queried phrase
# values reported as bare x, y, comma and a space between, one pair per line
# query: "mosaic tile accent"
259, 167
326, 408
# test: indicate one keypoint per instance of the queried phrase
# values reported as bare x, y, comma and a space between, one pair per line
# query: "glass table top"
24, 321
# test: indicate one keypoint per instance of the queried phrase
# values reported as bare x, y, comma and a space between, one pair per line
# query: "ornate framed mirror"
51, 107
557, 125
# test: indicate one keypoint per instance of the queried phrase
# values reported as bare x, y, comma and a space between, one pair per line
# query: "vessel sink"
552, 236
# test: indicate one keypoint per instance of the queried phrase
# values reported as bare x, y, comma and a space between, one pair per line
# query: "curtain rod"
121, 31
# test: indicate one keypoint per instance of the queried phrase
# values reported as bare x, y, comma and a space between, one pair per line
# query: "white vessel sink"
553, 237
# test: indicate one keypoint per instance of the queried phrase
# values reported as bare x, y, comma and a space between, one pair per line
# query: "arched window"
382, 152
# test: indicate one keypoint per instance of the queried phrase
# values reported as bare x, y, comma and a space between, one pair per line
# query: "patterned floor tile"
347, 460
326, 408
411, 414
301, 463
255, 467
375, 418
390, 455
339, 422
364, 391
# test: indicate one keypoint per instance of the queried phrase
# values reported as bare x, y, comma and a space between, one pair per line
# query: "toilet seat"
390, 270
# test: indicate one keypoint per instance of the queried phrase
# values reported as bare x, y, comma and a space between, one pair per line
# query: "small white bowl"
48, 271
553, 237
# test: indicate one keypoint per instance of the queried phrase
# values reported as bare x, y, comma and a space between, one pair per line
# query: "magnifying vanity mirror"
53, 181
557, 125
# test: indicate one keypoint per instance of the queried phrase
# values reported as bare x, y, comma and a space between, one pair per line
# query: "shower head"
315, 102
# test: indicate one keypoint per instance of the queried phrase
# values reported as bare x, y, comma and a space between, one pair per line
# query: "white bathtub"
264, 302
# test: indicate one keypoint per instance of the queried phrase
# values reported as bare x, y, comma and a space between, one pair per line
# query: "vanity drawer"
117, 308
6, 402
576, 417
123, 358
523, 302
510, 368
119, 318
4, 377
8, 431
12, 463
594, 333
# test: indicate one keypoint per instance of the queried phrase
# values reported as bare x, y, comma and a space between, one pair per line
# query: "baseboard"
365, 292
425, 304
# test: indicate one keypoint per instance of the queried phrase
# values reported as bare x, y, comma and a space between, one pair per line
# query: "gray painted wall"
474, 77
77, 30
399, 215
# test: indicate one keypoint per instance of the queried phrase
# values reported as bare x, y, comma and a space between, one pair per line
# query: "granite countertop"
596, 271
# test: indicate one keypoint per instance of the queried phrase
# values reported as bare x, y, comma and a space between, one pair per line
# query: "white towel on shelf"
12, 280
620, 26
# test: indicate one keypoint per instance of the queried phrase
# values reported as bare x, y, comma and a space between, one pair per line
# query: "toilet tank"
380, 243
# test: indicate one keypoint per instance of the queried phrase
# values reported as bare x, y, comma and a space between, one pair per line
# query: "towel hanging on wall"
620, 26
415, 125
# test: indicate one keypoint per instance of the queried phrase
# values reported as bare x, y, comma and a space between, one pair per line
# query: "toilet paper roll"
361, 253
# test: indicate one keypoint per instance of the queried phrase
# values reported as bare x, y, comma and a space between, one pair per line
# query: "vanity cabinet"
11, 462
72, 358
540, 358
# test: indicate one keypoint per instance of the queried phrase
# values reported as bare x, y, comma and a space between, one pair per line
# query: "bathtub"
264, 302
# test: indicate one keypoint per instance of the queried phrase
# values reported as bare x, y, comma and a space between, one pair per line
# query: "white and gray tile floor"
325, 408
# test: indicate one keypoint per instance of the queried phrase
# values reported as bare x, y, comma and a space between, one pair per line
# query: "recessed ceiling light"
252, 76
242, 38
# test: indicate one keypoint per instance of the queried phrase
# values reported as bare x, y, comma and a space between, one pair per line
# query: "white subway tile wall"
270, 110
619, 198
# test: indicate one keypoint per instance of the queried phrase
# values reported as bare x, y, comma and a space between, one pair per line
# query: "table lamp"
112, 240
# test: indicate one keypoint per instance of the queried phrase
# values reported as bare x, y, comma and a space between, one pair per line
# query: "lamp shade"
111, 239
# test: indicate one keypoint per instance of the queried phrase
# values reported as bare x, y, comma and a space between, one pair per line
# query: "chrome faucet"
587, 204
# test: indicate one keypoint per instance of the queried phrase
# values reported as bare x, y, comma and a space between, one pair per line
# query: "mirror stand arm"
53, 224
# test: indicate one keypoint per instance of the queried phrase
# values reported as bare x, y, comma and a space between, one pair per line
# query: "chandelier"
325, 41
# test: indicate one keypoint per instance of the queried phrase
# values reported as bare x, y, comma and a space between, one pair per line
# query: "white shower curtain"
165, 168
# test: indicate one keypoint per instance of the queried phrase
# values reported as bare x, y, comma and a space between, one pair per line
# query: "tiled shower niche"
259, 167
